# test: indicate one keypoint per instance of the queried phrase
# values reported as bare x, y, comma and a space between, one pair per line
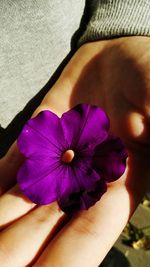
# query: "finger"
9, 166
88, 237
13, 205
21, 242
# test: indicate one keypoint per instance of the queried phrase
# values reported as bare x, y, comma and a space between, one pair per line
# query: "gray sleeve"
115, 18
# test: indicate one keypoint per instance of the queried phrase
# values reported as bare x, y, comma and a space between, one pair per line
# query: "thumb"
9, 165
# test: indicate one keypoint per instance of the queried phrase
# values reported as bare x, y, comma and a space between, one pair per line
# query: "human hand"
113, 74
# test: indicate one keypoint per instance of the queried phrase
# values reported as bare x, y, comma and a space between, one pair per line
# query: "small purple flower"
69, 159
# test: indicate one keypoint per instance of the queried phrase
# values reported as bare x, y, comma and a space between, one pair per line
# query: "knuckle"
47, 212
85, 226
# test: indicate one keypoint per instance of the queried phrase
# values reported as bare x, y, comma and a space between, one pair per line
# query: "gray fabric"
34, 38
112, 18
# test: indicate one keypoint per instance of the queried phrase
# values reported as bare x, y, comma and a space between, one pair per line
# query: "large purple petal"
42, 133
110, 159
38, 179
89, 198
83, 199
79, 177
32, 143
84, 125
85, 175
67, 181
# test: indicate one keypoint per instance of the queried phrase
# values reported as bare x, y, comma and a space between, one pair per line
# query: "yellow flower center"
68, 156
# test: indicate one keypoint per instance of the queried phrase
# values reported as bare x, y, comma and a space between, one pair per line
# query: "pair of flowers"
69, 159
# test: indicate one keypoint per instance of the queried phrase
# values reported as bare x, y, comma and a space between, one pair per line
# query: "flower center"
68, 156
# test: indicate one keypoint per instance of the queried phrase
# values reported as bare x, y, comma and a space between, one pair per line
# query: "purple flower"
69, 159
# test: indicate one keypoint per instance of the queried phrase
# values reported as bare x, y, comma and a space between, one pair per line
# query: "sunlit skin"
113, 74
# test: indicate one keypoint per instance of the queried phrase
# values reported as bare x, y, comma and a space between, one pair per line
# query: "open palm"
113, 74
